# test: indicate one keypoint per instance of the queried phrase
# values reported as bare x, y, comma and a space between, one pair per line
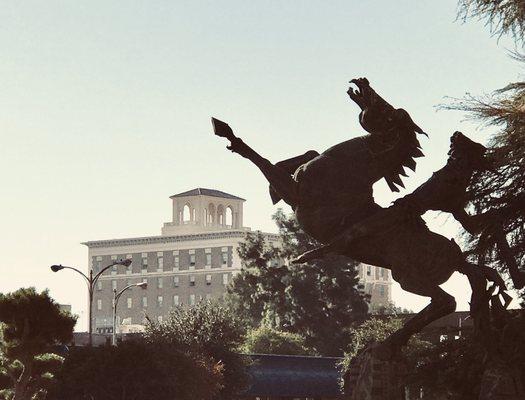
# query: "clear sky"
105, 109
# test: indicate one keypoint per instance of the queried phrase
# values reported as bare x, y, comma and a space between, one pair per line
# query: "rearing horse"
331, 195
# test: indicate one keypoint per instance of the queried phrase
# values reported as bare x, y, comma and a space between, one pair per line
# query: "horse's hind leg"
441, 304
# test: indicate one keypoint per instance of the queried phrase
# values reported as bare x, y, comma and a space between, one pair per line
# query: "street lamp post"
91, 282
116, 296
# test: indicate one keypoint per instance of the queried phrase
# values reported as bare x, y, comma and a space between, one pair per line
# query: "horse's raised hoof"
315, 254
311, 255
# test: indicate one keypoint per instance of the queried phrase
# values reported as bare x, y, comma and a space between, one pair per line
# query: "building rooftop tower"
200, 209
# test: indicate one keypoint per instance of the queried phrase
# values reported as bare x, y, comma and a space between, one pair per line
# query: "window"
192, 261
208, 279
113, 285
384, 273
159, 283
159, 318
229, 217
160, 263
159, 301
96, 265
192, 300
382, 290
144, 280
130, 302
368, 288
224, 279
224, 258
114, 270
185, 214
99, 285
129, 269
368, 270
176, 300
176, 263
99, 304
192, 280
144, 302
208, 260
144, 264
175, 281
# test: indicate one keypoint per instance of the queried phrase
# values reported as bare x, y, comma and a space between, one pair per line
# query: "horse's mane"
403, 138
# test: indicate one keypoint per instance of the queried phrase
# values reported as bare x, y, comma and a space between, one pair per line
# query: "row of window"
383, 272
382, 289
160, 301
224, 259
174, 281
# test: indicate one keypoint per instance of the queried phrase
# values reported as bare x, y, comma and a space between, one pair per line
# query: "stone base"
500, 383
370, 378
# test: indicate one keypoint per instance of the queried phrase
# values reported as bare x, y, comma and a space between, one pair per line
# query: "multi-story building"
194, 258
377, 283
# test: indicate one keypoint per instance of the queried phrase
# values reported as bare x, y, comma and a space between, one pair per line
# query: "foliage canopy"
31, 324
319, 301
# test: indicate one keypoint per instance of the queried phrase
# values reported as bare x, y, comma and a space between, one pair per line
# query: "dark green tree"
502, 16
31, 324
208, 329
266, 340
320, 301
499, 194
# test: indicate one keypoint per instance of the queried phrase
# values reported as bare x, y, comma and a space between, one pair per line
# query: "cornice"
240, 234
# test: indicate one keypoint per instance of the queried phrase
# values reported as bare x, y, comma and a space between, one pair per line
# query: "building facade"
194, 259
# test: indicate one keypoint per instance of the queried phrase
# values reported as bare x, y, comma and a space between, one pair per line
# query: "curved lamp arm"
56, 268
126, 262
117, 295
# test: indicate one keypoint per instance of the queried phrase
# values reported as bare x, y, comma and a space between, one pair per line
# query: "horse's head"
392, 132
377, 116
462, 148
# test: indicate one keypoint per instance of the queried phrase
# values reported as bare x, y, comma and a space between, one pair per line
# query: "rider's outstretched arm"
280, 180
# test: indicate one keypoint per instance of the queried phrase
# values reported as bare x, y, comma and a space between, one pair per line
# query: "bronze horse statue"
331, 195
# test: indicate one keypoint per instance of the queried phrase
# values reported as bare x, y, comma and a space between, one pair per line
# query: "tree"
502, 16
499, 194
266, 340
210, 330
487, 361
319, 301
31, 323
137, 370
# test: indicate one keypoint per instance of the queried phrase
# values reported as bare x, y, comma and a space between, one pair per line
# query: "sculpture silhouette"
331, 195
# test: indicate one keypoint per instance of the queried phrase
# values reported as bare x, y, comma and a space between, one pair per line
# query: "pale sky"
105, 109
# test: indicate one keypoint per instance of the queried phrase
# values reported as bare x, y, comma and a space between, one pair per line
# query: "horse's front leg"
279, 178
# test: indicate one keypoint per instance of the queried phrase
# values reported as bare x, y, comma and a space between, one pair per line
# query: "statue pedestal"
370, 378
499, 383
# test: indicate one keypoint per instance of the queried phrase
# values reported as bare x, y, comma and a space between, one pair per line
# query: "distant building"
194, 258
377, 283
65, 307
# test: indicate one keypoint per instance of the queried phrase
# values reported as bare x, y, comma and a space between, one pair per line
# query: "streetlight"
116, 296
91, 281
